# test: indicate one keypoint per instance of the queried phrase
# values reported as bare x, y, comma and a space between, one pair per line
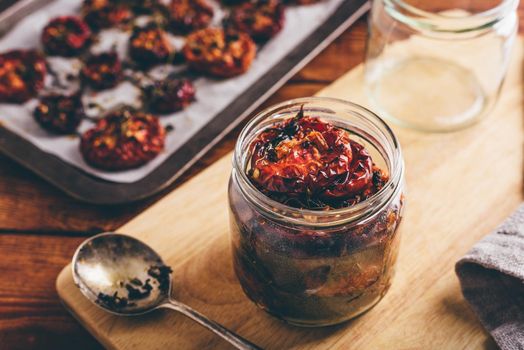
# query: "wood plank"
460, 187
31, 315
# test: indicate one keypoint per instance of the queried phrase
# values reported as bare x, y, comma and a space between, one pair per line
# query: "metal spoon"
125, 277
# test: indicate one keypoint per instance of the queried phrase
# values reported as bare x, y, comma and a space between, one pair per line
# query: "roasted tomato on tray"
261, 19
150, 46
102, 71
123, 140
101, 14
169, 95
66, 36
59, 114
188, 15
22, 74
219, 53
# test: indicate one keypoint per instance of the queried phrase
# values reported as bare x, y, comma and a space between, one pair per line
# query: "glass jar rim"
451, 24
273, 208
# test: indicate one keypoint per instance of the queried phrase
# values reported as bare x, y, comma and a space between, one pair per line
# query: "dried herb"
112, 301
140, 290
161, 274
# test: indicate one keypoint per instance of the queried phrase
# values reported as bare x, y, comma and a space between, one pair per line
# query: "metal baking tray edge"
88, 188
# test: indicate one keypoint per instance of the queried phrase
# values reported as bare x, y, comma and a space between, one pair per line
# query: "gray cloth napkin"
492, 280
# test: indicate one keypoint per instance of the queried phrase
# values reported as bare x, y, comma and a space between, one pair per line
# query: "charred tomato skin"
102, 14
189, 15
102, 71
150, 46
59, 114
261, 19
22, 74
123, 140
219, 53
169, 95
66, 36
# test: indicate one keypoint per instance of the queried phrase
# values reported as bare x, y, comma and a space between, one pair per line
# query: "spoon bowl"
126, 277
112, 263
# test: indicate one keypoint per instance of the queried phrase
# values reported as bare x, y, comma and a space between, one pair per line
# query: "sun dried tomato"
169, 95
22, 74
102, 71
306, 162
150, 46
66, 36
123, 140
261, 19
60, 114
188, 15
101, 14
219, 53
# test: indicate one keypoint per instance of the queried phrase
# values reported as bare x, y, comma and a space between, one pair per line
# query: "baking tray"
88, 188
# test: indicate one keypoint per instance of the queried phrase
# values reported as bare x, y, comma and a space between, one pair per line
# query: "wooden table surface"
40, 227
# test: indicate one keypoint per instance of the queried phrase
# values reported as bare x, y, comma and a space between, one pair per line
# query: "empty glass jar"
438, 65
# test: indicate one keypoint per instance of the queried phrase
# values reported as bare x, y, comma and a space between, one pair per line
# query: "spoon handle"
234, 339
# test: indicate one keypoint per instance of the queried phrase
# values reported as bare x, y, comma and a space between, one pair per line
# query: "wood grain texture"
460, 187
30, 314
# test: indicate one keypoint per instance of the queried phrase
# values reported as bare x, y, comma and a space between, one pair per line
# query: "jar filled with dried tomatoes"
316, 197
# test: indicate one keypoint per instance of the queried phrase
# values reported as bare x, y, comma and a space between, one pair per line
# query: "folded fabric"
492, 280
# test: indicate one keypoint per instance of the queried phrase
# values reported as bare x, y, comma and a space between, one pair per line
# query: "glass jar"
438, 65
311, 267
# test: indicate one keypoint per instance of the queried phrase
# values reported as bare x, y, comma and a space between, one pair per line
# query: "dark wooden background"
40, 227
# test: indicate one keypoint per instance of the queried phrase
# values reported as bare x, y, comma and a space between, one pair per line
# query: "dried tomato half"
102, 71
169, 95
188, 15
150, 46
66, 36
60, 114
123, 140
22, 74
219, 53
309, 163
261, 19
101, 14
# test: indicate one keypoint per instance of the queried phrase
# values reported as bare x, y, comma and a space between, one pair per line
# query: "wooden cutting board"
460, 187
